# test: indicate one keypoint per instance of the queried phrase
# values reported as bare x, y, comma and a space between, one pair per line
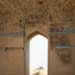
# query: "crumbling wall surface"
11, 61
20, 20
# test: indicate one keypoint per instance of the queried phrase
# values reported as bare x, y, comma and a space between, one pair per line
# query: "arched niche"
27, 49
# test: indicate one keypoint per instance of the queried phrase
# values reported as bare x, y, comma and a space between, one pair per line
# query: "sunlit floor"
38, 55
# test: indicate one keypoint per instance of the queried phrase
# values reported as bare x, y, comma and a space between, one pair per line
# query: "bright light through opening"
38, 55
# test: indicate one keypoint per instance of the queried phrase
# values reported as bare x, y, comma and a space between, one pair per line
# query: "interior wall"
22, 19
14, 54
11, 61
12, 57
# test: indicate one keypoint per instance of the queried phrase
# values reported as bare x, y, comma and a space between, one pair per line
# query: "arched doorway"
38, 55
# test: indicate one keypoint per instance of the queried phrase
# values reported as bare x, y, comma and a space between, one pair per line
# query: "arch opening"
38, 55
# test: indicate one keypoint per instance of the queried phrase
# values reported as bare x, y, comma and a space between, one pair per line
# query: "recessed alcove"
37, 54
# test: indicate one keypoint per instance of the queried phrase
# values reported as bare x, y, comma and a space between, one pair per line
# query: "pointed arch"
27, 49
31, 35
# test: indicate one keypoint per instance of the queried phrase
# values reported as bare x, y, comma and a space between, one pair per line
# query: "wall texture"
20, 20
